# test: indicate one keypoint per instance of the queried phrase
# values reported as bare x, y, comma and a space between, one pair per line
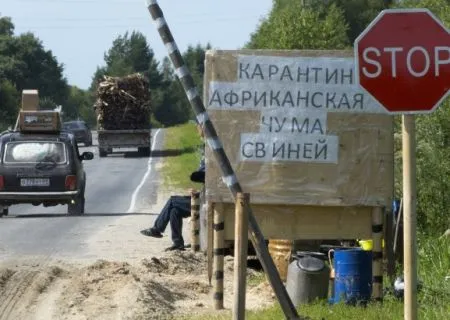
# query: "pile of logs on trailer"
123, 108
123, 103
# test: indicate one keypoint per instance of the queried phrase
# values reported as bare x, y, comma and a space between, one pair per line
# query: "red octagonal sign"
403, 60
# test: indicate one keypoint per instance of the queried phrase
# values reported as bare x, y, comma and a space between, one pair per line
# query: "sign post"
403, 61
410, 216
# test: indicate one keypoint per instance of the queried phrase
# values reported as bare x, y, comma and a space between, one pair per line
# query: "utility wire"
143, 19
127, 25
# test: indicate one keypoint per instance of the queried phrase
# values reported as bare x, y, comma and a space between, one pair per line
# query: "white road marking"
149, 170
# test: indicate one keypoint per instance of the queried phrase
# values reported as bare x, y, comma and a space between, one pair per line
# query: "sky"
80, 31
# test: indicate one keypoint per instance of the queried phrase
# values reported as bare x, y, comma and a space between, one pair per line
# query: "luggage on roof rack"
39, 121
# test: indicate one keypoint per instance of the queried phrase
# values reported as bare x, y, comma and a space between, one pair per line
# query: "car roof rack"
39, 121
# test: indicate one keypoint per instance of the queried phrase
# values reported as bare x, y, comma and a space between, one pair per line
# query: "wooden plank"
306, 222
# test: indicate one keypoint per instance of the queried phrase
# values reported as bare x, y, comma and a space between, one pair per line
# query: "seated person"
176, 208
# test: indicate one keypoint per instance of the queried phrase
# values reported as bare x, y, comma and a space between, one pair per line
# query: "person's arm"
199, 175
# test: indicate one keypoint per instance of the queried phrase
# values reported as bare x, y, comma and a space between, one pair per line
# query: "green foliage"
9, 103
359, 13
433, 149
6, 27
79, 106
181, 145
131, 53
174, 107
26, 64
294, 26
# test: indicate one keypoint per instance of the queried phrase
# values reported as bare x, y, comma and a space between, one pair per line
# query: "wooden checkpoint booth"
312, 149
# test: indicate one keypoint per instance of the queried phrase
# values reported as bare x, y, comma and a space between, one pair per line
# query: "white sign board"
294, 96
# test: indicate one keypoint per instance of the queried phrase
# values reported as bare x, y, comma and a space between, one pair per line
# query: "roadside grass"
433, 297
181, 156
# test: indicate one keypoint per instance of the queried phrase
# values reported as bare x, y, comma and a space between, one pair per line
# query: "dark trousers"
176, 208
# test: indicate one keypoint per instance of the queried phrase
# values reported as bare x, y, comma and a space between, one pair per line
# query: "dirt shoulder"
119, 274
163, 287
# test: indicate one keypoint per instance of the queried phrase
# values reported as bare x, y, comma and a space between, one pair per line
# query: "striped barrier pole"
228, 175
195, 221
377, 253
218, 261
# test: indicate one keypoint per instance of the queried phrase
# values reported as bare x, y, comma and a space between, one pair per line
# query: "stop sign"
403, 60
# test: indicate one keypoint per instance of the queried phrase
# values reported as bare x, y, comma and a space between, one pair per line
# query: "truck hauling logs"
123, 109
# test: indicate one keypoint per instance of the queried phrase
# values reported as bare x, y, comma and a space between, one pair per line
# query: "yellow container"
367, 245
280, 251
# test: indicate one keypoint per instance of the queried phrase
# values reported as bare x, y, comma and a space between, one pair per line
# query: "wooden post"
210, 247
377, 254
389, 244
409, 216
195, 221
219, 253
397, 226
240, 255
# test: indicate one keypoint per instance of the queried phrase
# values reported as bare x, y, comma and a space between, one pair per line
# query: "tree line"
291, 24
26, 64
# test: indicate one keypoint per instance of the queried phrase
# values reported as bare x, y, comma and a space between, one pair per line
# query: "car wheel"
102, 153
5, 211
78, 207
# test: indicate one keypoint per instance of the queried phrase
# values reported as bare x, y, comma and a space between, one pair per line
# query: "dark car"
80, 130
42, 168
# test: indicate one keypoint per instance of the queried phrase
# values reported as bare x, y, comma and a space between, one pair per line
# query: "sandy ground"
121, 275
164, 287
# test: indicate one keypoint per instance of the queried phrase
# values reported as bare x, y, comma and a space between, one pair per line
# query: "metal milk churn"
307, 277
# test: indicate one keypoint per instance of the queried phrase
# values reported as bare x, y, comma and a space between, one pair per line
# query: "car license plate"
39, 182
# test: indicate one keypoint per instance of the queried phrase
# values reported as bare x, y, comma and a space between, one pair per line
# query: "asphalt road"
117, 186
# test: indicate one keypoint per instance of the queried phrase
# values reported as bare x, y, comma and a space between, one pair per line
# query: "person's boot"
152, 232
179, 247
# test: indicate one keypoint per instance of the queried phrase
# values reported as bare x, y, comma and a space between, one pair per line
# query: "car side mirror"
87, 156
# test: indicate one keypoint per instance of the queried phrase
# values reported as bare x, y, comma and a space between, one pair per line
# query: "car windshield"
35, 152
73, 125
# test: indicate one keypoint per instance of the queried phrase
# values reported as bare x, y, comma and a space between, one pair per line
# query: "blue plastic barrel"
353, 276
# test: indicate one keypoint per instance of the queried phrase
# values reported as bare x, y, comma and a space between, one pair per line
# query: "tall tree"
359, 13
6, 26
128, 54
26, 64
131, 53
9, 106
175, 107
291, 25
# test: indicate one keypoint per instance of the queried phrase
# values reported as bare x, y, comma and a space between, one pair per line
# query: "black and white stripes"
377, 254
192, 93
228, 174
195, 221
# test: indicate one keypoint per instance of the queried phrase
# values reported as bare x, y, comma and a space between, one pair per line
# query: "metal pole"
409, 217
228, 175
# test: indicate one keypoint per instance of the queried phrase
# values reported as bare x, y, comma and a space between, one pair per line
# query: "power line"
234, 17
129, 25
